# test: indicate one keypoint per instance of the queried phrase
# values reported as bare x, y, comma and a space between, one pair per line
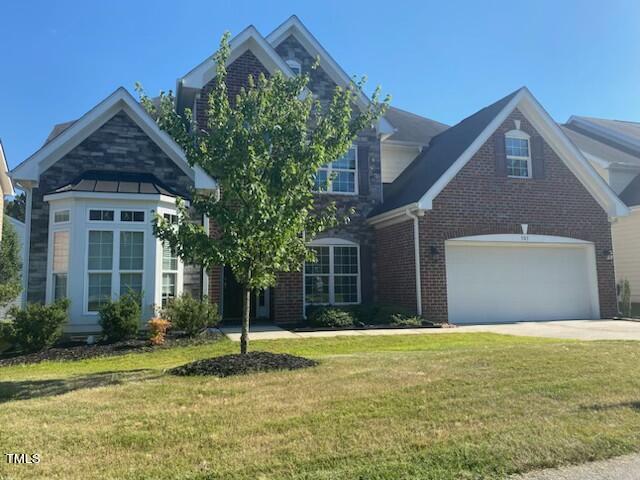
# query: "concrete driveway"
571, 329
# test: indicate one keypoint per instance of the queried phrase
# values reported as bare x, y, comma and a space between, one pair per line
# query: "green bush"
120, 319
190, 315
6, 335
385, 314
400, 320
331, 318
36, 326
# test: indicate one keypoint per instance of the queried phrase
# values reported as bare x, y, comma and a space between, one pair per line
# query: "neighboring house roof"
120, 100
103, 181
412, 128
604, 154
623, 135
631, 194
58, 129
5, 181
448, 152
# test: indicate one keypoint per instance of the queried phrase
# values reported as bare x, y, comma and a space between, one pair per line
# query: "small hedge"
120, 319
190, 315
35, 327
400, 320
331, 318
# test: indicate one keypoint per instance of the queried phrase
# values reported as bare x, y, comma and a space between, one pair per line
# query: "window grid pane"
334, 277
517, 147
345, 260
131, 216
339, 176
316, 289
59, 286
130, 282
517, 167
168, 287
99, 290
346, 288
101, 215
131, 250
169, 258
60, 252
61, 217
100, 250
321, 266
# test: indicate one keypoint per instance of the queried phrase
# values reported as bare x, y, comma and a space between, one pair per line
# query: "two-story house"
498, 218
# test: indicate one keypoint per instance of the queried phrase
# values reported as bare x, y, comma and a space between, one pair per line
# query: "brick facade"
396, 265
478, 201
117, 145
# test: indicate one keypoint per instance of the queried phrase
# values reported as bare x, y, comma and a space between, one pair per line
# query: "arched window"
334, 278
295, 66
518, 153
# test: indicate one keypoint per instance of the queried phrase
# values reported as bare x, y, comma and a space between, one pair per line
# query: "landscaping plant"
264, 148
120, 319
191, 315
36, 326
158, 330
331, 318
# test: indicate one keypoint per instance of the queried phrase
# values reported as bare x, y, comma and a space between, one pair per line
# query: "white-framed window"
518, 154
60, 264
132, 216
334, 279
61, 216
170, 265
99, 268
99, 215
295, 66
131, 261
339, 176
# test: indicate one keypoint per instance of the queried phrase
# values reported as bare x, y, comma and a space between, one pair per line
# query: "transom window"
340, 175
61, 216
101, 215
131, 216
518, 154
334, 277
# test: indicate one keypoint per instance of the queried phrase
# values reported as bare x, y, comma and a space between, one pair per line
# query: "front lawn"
448, 406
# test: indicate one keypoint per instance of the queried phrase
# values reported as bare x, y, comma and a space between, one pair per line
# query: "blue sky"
443, 60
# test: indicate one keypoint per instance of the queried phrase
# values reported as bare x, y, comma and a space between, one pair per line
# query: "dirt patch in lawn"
82, 351
237, 364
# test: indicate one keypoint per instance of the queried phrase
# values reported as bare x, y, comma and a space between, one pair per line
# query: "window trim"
518, 135
331, 243
329, 169
61, 210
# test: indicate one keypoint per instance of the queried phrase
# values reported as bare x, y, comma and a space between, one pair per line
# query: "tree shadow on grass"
27, 389
611, 406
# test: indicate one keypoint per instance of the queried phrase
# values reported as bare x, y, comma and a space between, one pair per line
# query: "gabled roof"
631, 194
623, 135
449, 151
120, 100
5, 181
603, 154
57, 130
412, 128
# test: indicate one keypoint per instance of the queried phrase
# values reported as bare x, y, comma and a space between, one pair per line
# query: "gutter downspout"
416, 254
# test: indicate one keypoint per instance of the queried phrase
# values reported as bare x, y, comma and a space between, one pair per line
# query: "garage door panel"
508, 283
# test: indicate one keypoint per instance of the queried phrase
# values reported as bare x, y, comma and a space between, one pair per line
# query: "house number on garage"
524, 238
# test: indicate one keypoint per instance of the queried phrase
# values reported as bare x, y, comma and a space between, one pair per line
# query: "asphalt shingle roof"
631, 194
444, 149
412, 128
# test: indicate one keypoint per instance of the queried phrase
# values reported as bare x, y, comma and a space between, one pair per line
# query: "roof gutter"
416, 255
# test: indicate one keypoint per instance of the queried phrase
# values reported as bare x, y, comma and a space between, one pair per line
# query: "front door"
262, 304
232, 300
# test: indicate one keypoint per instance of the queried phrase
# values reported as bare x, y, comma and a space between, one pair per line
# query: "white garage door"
491, 282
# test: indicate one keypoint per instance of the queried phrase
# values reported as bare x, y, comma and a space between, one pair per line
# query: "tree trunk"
244, 337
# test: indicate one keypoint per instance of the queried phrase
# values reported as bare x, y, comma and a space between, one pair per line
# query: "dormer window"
295, 66
518, 153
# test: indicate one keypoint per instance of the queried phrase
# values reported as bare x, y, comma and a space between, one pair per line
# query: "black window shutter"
537, 157
363, 169
501, 157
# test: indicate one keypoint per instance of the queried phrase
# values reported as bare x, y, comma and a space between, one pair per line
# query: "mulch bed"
238, 364
82, 351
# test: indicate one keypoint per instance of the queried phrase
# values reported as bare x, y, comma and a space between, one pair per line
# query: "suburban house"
498, 218
613, 148
6, 186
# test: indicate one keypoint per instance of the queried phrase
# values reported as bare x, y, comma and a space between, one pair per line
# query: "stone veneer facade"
118, 145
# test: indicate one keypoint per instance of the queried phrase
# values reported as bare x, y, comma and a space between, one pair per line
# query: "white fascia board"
248, 39
202, 180
605, 132
554, 136
293, 26
5, 180
129, 197
518, 239
386, 217
120, 100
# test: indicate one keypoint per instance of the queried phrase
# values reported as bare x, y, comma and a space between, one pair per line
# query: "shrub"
120, 319
190, 315
385, 314
158, 330
400, 320
36, 326
331, 318
10, 264
6, 335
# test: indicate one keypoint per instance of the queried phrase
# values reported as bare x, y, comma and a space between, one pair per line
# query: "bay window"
334, 278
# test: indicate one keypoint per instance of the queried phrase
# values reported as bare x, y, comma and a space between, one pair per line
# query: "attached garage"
514, 278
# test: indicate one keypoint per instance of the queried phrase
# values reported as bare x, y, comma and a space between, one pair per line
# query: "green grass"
447, 406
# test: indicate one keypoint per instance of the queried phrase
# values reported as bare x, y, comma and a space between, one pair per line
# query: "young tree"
16, 208
264, 148
10, 265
